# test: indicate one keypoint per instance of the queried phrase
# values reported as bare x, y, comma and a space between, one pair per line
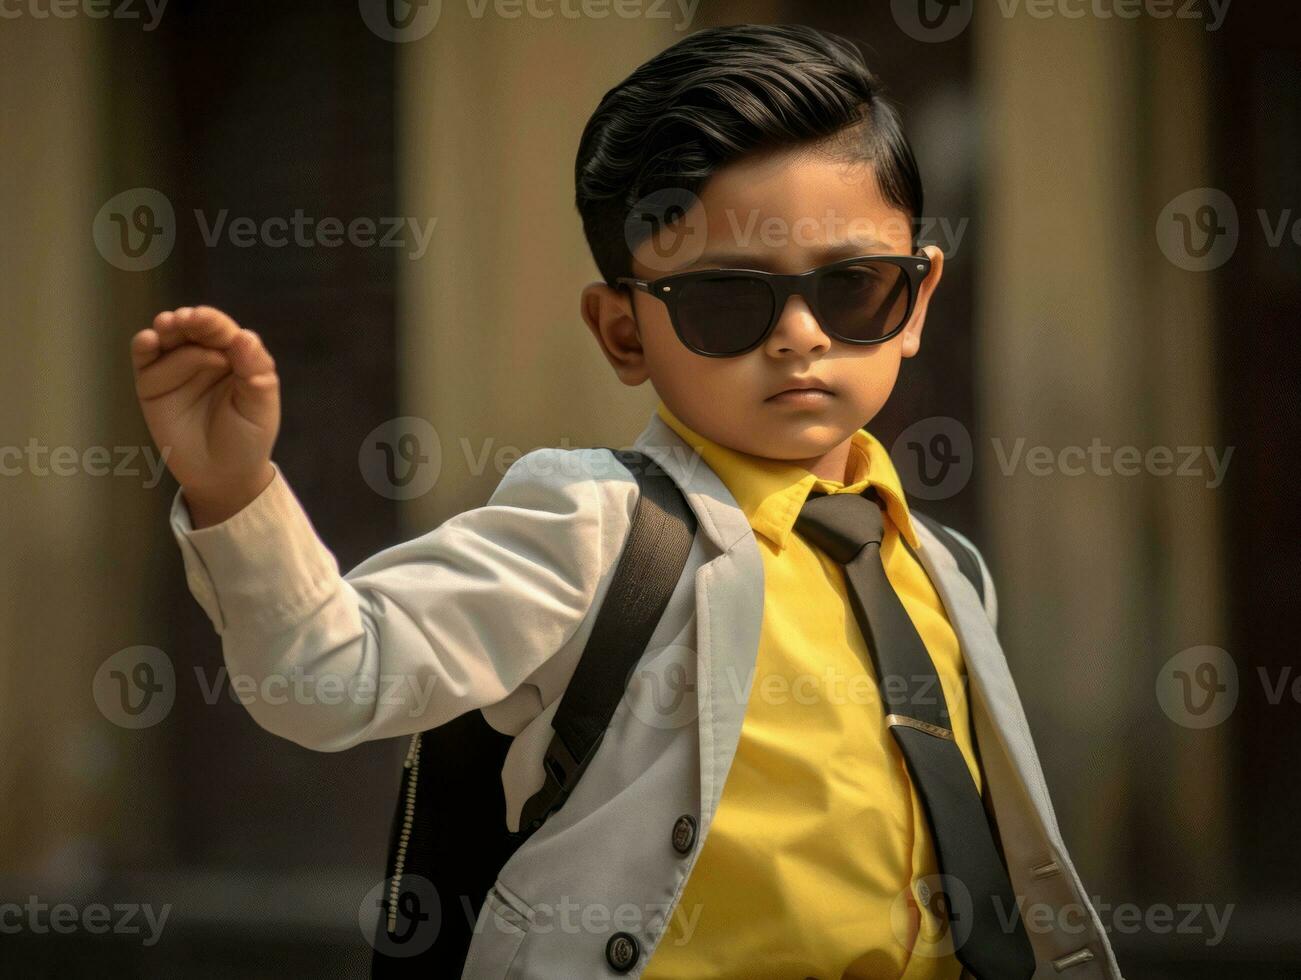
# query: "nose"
797, 331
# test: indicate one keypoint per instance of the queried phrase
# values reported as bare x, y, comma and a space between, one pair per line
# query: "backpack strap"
966, 558
654, 554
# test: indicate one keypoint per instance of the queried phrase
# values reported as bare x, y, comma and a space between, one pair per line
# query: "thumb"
256, 398
257, 385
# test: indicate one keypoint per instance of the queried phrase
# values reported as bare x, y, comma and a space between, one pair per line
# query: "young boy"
853, 791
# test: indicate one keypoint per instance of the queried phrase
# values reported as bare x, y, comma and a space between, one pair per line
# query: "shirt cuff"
263, 566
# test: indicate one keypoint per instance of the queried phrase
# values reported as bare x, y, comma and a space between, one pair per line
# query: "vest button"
621, 951
684, 833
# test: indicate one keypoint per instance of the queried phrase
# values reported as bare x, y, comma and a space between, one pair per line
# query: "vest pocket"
500, 929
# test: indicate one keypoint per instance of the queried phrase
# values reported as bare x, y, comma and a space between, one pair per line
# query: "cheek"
872, 377
696, 386
665, 353
674, 371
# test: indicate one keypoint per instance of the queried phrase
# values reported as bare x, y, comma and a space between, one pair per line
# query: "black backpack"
449, 838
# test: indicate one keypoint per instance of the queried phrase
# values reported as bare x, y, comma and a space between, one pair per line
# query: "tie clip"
921, 726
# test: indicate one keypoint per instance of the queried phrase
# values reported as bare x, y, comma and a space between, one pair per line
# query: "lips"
802, 386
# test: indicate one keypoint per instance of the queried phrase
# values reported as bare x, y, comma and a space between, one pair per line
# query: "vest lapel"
729, 607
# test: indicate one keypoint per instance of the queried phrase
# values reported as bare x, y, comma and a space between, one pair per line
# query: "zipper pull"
413, 750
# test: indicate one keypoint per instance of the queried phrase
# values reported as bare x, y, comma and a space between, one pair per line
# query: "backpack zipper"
412, 765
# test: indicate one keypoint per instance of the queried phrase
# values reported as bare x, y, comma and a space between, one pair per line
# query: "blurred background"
1105, 402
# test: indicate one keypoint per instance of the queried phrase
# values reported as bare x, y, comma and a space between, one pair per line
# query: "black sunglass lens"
865, 301
723, 315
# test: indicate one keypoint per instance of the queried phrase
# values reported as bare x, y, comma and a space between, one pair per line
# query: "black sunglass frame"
783, 286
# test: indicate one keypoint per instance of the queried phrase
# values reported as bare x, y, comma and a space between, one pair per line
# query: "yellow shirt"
812, 863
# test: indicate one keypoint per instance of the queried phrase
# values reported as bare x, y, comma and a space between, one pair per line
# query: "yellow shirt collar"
771, 492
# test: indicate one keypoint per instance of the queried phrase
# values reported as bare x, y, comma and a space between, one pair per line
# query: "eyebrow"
823, 255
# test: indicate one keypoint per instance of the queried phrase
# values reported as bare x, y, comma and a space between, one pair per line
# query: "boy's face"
786, 211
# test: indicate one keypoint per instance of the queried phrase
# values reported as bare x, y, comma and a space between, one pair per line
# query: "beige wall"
1086, 331
75, 560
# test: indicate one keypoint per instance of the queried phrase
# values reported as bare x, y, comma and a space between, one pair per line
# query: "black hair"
717, 95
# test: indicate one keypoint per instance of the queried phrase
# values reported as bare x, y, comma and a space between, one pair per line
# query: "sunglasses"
726, 312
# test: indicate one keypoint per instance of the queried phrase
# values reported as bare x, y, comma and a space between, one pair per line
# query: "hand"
211, 398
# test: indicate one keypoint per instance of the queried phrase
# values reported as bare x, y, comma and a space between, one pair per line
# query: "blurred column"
1191, 802
492, 347
74, 554
1088, 335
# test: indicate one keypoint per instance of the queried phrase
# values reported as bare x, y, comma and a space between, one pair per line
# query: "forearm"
214, 504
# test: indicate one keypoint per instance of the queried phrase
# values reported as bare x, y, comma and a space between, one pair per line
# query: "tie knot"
841, 523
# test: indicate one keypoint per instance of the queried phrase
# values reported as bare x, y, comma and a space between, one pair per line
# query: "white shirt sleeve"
420, 632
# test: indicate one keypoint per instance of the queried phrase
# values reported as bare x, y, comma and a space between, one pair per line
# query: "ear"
911, 341
609, 315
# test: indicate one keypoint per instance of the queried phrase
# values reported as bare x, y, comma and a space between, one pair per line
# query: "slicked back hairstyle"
716, 96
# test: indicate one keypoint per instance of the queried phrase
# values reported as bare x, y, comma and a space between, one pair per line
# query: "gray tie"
848, 527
